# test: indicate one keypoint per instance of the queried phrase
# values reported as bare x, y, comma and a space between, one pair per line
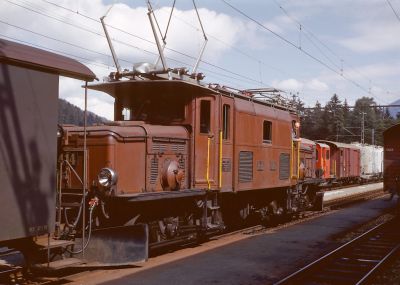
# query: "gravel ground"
390, 274
362, 229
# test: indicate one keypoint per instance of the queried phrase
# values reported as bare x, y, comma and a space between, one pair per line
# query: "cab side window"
205, 113
267, 132
226, 121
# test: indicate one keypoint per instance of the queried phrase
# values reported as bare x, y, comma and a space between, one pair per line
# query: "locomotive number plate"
226, 165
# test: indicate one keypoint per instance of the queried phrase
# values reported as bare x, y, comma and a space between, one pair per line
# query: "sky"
310, 48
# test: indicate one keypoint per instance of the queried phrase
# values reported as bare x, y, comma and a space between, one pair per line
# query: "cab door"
225, 144
205, 148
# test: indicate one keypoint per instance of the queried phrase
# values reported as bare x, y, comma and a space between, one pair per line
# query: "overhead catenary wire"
168, 48
258, 61
247, 78
243, 77
234, 48
394, 11
308, 34
290, 43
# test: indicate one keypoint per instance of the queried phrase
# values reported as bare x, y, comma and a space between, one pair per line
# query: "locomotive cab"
160, 149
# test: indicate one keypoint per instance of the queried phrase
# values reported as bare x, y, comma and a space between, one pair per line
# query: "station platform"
256, 259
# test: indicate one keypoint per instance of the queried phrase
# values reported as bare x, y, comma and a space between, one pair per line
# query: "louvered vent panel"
245, 166
159, 147
284, 166
153, 170
178, 148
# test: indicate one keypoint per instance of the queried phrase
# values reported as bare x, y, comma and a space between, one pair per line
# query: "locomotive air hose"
77, 218
89, 235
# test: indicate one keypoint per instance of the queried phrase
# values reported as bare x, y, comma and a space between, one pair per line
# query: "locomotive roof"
339, 145
122, 87
127, 86
33, 58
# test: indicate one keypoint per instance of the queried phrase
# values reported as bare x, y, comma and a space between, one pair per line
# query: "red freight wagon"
323, 165
344, 161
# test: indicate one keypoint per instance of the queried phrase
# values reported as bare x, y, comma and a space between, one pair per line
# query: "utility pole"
337, 130
373, 136
362, 128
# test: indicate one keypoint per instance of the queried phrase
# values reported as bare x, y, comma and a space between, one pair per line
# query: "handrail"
73, 170
208, 163
298, 160
220, 159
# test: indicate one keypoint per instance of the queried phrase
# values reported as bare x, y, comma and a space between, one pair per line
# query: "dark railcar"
29, 80
391, 161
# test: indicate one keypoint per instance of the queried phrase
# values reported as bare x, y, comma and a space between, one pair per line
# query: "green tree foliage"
71, 114
338, 122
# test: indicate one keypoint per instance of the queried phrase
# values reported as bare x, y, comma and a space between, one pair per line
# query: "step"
59, 264
70, 205
6, 270
54, 243
71, 194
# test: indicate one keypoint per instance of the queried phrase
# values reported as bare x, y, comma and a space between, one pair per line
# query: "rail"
352, 263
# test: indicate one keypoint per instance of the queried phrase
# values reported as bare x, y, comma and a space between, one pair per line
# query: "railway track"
354, 262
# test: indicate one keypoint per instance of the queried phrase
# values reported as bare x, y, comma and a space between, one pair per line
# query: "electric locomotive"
184, 158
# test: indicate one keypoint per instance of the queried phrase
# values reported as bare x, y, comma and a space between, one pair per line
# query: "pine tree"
334, 118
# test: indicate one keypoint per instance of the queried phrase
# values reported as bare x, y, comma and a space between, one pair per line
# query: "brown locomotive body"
197, 139
197, 155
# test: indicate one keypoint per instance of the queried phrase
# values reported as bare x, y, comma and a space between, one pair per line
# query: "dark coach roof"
392, 130
33, 58
340, 145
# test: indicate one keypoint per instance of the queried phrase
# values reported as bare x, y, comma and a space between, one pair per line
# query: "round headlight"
107, 177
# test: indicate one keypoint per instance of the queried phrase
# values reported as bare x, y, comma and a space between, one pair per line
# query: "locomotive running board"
117, 246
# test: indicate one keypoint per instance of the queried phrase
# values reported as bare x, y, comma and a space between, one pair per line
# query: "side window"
267, 132
317, 155
226, 113
205, 112
327, 154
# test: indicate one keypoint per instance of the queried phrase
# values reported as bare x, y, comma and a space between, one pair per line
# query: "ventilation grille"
153, 170
284, 166
159, 147
180, 148
245, 166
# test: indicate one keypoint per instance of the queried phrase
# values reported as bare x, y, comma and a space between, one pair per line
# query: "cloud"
376, 71
88, 44
376, 36
317, 85
289, 84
